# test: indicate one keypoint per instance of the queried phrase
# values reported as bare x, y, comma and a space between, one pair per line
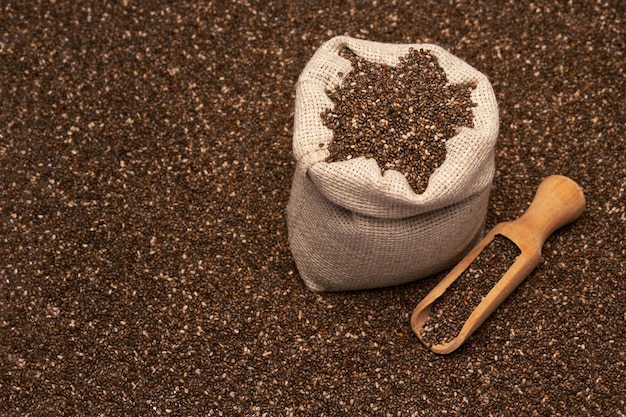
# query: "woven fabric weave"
352, 226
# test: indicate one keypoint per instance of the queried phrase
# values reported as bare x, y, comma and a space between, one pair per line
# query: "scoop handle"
557, 202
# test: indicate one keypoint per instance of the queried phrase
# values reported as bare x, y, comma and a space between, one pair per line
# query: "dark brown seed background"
145, 166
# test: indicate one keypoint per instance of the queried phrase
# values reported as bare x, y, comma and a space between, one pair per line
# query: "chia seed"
400, 115
166, 287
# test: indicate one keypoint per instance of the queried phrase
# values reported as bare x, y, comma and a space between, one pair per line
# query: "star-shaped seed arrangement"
400, 115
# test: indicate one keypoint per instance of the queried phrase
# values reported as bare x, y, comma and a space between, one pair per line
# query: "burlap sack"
352, 227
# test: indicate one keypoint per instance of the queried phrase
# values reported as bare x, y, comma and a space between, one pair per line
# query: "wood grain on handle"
558, 201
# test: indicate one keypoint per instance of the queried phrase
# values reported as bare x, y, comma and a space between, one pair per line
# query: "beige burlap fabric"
350, 225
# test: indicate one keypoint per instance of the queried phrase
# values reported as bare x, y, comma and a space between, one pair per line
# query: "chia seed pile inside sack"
400, 115
450, 311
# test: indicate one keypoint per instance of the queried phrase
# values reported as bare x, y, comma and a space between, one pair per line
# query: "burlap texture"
350, 225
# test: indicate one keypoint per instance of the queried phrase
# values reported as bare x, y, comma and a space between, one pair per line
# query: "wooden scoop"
558, 201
